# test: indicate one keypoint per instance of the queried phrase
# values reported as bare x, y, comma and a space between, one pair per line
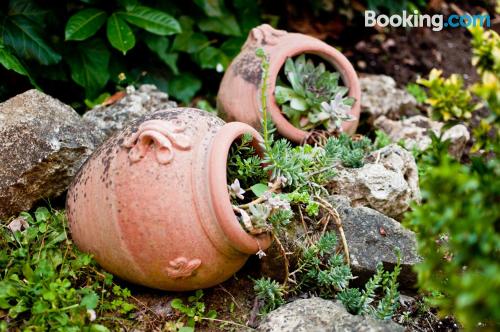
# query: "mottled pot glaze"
152, 205
239, 93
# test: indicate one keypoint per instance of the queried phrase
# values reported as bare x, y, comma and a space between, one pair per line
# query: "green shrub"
46, 284
458, 232
448, 98
104, 44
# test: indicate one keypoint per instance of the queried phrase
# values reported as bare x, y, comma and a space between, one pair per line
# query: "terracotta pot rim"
329, 54
220, 198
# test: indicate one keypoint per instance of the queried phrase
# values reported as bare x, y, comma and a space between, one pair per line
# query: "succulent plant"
314, 99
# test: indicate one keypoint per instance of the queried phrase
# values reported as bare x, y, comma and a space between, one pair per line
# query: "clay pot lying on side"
152, 206
238, 98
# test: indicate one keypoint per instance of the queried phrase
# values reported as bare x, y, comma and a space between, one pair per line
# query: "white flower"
260, 254
235, 189
92, 315
219, 68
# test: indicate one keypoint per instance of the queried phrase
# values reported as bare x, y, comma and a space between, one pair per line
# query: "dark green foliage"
46, 284
270, 292
244, 164
89, 43
458, 237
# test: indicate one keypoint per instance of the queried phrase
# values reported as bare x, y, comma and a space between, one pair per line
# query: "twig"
254, 313
304, 225
276, 185
334, 213
231, 295
227, 322
285, 259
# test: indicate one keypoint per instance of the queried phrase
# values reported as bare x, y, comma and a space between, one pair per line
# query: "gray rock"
134, 104
318, 315
380, 96
415, 132
43, 143
372, 238
387, 182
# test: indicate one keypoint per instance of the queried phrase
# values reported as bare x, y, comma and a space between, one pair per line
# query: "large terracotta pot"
152, 206
239, 93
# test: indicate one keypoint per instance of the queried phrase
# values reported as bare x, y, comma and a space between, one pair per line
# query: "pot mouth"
221, 201
330, 55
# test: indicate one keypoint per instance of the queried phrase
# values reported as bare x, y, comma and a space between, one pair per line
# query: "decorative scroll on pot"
152, 206
238, 98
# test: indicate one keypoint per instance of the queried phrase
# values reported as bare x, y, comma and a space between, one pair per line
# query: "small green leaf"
84, 24
42, 214
159, 45
10, 62
259, 189
184, 87
152, 20
226, 25
90, 301
186, 329
89, 62
24, 37
98, 328
120, 35
212, 8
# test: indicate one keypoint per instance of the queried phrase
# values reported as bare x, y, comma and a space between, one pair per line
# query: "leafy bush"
448, 97
46, 284
105, 44
458, 236
314, 99
192, 313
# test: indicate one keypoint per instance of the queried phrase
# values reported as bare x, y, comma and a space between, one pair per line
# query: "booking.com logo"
416, 20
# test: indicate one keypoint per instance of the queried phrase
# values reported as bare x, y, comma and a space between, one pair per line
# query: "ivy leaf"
28, 9
89, 65
159, 45
152, 20
226, 25
212, 8
120, 35
184, 87
11, 62
84, 24
23, 36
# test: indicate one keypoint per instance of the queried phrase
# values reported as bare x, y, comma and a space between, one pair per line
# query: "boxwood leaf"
89, 65
152, 20
120, 35
23, 36
84, 24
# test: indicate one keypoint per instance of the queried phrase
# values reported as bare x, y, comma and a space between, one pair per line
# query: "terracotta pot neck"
221, 202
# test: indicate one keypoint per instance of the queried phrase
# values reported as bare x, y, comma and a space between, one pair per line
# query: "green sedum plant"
314, 99
270, 292
46, 284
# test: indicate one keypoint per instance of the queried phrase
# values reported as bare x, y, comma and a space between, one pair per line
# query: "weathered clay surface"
43, 143
318, 315
416, 130
372, 238
380, 96
135, 104
388, 182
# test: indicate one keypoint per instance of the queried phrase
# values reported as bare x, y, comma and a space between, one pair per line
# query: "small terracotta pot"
239, 93
152, 205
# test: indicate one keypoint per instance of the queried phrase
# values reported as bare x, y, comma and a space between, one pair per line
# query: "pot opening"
312, 94
226, 192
